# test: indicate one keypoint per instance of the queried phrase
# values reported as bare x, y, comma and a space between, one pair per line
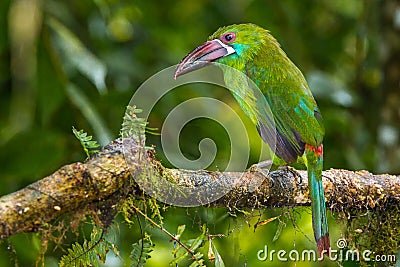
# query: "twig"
165, 231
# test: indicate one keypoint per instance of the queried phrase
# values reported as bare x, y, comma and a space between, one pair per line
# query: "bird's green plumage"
294, 118
260, 56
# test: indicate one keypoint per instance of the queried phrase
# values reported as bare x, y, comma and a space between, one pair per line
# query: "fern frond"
89, 146
141, 251
90, 253
134, 126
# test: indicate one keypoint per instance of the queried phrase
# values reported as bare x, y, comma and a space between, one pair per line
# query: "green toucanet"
295, 127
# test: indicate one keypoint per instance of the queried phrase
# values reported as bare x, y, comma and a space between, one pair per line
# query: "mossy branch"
105, 176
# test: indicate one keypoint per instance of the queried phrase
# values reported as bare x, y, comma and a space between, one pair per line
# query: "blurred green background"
77, 63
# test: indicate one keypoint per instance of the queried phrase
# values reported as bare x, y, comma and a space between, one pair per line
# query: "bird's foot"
292, 170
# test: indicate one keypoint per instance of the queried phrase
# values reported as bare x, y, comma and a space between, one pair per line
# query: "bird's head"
232, 45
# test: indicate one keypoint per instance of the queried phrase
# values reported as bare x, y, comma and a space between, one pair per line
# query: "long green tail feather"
319, 220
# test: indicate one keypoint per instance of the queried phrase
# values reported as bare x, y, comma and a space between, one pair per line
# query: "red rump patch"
319, 151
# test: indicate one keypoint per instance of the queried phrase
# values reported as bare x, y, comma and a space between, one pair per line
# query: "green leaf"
75, 54
217, 257
180, 253
90, 147
90, 253
195, 244
141, 251
199, 260
179, 232
134, 126
279, 230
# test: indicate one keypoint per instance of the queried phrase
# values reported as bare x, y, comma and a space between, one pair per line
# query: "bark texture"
105, 177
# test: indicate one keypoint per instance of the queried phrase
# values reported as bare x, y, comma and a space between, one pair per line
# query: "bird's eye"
228, 37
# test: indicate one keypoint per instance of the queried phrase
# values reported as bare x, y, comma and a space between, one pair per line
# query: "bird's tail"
314, 156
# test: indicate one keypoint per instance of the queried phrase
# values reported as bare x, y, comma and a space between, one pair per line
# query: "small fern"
132, 125
90, 253
89, 146
141, 251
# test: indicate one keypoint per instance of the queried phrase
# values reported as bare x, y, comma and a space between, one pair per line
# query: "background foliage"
77, 63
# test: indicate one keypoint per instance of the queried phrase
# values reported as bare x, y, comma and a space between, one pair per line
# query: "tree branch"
104, 176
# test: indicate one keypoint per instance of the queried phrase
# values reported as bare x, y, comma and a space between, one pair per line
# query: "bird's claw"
293, 171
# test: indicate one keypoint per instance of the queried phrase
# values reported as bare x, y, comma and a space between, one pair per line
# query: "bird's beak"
203, 55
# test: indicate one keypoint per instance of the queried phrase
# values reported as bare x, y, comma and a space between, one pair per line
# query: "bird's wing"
295, 121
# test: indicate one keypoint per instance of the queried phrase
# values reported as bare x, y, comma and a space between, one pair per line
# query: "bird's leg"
292, 170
